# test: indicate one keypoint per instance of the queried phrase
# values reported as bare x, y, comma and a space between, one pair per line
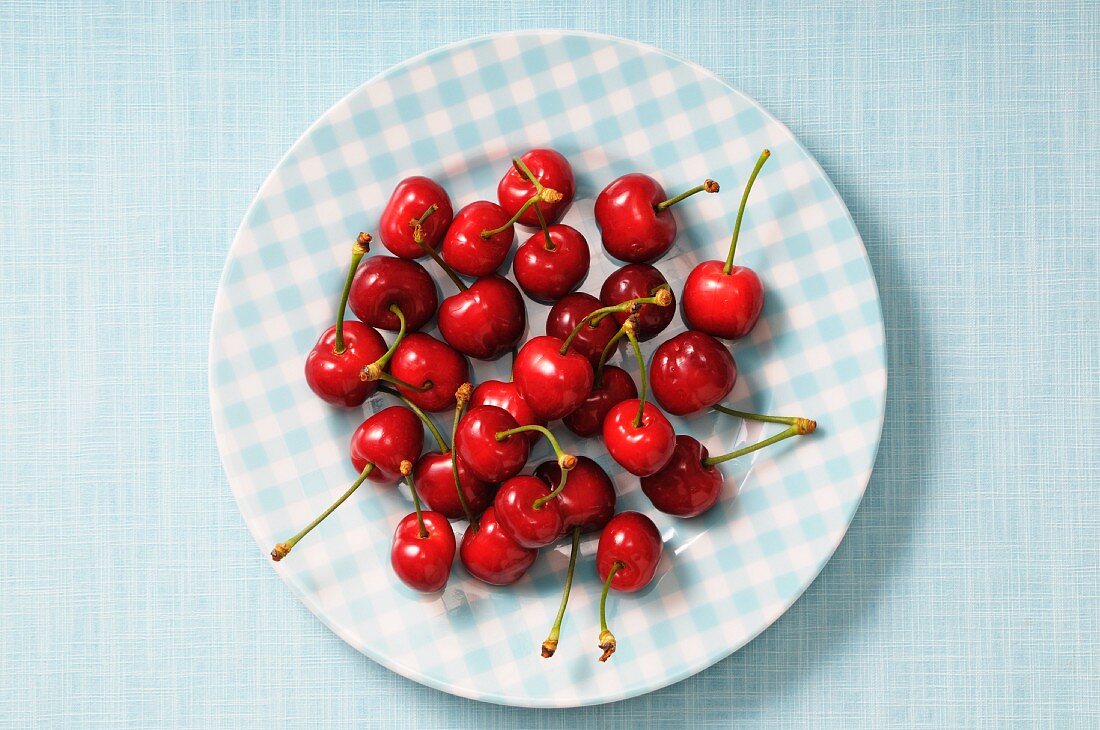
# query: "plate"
458, 114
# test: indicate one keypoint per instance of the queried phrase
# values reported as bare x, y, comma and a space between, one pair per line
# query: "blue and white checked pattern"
458, 114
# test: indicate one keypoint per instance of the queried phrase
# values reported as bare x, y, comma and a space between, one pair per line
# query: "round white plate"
458, 114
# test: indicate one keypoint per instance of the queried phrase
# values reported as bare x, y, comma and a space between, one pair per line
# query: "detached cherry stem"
662, 298
443, 265
443, 447
358, 251
644, 390
283, 549
607, 639
565, 461
796, 426
462, 397
764, 155
551, 644
546, 195
406, 471
417, 224
381, 363
709, 186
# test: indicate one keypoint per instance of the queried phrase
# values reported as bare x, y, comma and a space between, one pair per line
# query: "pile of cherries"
562, 375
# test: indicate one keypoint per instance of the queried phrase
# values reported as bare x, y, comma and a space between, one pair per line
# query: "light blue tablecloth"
965, 141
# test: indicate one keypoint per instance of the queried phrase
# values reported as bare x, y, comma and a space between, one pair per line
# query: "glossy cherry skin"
477, 446
547, 276
527, 526
552, 384
588, 500
486, 320
491, 556
632, 539
690, 372
436, 485
387, 438
506, 395
335, 377
614, 387
423, 563
684, 487
382, 281
552, 170
634, 281
723, 305
466, 251
632, 228
567, 314
409, 200
420, 359
643, 450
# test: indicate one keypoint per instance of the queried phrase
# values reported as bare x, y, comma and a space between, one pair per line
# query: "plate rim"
549, 702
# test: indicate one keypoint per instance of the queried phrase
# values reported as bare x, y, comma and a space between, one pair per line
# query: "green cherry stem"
283, 549
462, 397
764, 155
384, 360
565, 461
644, 391
546, 195
417, 224
443, 265
541, 501
407, 471
548, 242
443, 447
551, 644
368, 373
607, 639
607, 350
796, 426
662, 298
358, 251
526, 172
708, 185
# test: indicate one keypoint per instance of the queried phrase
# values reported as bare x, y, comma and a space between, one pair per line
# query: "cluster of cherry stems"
561, 375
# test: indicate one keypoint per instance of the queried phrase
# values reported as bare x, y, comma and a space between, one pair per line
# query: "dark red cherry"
334, 376
421, 360
548, 270
405, 213
614, 387
435, 482
553, 384
684, 487
634, 281
640, 449
466, 250
385, 281
634, 217
486, 320
523, 513
422, 552
506, 395
690, 372
588, 499
568, 313
552, 170
387, 438
491, 556
631, 540
487, 457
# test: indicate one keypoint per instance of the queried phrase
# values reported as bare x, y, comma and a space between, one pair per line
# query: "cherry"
506, 395
529, 175
567, 313
423, 545
690, 372
551, 263
637, 435
425, 370
383, 282
690, 483
551, 644
332, 366
634, 217
464, 247
418, 208
527, 510
626, 559
631, 282
491, 556
488, 441
611, 385
722, 299
378, 447
588, 499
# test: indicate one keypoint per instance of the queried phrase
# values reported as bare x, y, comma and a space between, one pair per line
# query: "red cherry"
466, 250
435, 481
491, 556
423, 551
487, 457
627, 557
690, 372
641, 449
634, 217
526, 514
613, 386
552, 170
567, 314
551, 263
383, 282
684, 487
486, 320
429, 371
588, 499
631, 282
409, 215
552, 383
386, 439
334, 376
722, 299
506, 395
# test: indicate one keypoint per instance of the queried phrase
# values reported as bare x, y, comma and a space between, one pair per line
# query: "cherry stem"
369, 374
462, 397
283, 549
785, 420
443, 447
607, 639
565, 461
629, 325
406, 471
546, 195
384, 360
524, 170
607, 350
358, 250
541, 501
662, 298
708, 186
551, 644
417, 224
796, 426
549, 242
764, 155
443, 265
